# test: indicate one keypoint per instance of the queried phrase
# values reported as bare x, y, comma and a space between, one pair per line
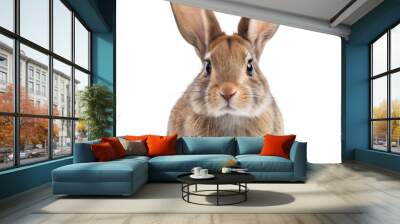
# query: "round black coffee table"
238, 179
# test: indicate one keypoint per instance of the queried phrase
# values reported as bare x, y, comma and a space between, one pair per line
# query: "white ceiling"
324, 16
321, 9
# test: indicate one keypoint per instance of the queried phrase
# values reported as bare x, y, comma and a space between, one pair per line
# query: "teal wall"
99, 15
24, 178
355, 124
104, 52
103, 64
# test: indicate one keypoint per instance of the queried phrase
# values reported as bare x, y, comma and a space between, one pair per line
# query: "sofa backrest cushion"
206, 145
249, 145
83, 152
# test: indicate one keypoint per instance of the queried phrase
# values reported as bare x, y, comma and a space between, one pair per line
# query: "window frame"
388, 74
16, 114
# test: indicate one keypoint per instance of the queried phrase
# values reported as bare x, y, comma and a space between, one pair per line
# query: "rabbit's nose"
227, 95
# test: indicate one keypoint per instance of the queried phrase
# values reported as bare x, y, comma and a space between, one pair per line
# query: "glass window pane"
395, 94
81, 82
379, 135
81, 45
34, 97
81, 131
379, 97
33, 140
35, 21
395, 136
379, 55
6, 74
395, 47
6, 142
62, 89
7, 14
62, 29
62, 137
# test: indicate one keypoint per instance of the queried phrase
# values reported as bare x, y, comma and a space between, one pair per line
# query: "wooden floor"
377, 188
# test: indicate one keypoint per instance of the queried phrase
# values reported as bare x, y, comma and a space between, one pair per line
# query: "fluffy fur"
204, 109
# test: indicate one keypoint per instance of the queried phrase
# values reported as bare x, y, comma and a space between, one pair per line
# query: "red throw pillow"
103, 152
161, 145
277, 145
116, 145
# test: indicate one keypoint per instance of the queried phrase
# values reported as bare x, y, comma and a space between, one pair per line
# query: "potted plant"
97, 106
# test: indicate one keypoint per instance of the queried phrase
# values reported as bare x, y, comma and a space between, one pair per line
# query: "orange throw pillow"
116, 145
103, 152
277, 145
161, 145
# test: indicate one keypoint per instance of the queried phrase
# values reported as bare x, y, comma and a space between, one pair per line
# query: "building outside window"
59, 127
385, 91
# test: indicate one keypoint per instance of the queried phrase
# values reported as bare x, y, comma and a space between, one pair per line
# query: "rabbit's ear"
257, 32
198, 26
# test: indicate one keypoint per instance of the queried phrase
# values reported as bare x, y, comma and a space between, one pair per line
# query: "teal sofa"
125, 176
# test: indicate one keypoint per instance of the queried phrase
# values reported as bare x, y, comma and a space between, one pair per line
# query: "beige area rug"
166, 198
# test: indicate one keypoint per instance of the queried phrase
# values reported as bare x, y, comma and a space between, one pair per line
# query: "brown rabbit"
230, 96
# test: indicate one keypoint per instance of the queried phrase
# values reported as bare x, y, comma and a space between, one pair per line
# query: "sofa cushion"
185, 163
161, 145
277, 145
257, 163
136, 147
249, 145
103, 152
116, 145
111, 171
206, 145
83, 152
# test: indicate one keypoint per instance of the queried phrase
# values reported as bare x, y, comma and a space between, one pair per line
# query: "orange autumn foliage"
34, 130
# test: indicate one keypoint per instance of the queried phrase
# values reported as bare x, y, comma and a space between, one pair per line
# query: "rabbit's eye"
207, 67
250, 68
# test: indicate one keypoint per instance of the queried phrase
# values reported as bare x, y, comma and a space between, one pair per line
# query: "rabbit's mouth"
230, 109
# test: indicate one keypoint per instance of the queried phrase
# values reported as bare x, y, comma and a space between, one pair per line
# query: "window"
385, 92
44, 91
62, 137
61, 74
45, 120
7, 14
3, 78
395, 46
6, 74
81, 82
30, 87
37, 89
6, 142
34, 21
81, 45
30, 72
37, 74
62, 29
3, 61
